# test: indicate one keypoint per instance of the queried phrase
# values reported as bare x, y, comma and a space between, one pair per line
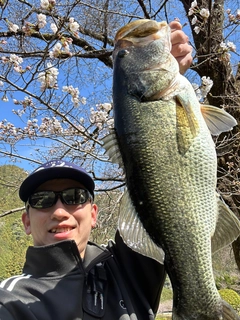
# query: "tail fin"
224, 313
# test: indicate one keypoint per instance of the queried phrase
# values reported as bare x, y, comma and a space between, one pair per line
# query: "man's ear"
26, 223
94, 215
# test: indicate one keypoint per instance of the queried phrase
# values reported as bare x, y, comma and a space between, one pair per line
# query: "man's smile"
60, 229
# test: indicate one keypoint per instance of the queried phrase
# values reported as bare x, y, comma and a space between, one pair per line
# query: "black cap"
55, 169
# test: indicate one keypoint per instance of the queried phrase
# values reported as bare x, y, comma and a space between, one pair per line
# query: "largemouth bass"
170, 210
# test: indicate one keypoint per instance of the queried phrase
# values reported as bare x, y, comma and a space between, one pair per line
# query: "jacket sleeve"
12, 308
4, 314
144, 274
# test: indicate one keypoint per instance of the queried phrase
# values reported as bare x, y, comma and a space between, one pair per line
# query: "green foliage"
231, 297
108, 205
167, 294
13, 244
226, 280
225, 270
13, 240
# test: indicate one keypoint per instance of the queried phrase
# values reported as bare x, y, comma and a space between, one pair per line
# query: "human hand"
181, 50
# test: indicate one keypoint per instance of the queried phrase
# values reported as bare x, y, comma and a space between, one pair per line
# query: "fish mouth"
139, 33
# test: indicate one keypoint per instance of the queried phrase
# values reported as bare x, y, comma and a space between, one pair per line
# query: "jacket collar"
94, 254
61, 258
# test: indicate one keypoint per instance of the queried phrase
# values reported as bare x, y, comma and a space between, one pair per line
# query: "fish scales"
170, 166
155, 165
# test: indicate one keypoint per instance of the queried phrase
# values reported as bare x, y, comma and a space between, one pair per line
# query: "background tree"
56, 70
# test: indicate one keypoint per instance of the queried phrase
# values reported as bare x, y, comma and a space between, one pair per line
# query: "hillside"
13, 240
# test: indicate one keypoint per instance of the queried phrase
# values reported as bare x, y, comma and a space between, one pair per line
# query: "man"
66, 277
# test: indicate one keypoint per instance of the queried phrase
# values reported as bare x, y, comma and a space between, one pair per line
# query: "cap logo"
54, 163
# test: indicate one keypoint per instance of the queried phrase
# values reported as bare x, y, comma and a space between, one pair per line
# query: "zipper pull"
100, 295
101, 300
95, 298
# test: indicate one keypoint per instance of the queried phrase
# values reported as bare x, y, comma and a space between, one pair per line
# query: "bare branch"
12, 211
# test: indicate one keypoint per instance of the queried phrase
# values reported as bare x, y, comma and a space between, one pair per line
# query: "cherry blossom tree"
56, 73
56, 77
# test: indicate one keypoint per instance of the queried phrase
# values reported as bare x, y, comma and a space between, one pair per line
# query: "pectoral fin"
217, 120
133, 232
187, 127
227, 227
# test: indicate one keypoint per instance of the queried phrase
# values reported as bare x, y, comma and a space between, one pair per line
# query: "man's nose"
59, 211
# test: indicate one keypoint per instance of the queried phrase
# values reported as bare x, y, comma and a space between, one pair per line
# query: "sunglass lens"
44, 199
75, 196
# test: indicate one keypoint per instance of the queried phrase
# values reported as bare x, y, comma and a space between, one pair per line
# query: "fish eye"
122, 53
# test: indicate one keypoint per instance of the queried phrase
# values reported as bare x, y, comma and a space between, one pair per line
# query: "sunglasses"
46, 199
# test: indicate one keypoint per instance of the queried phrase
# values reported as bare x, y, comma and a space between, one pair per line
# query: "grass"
166, 294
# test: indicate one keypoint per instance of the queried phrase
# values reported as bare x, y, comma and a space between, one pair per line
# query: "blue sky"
26, 149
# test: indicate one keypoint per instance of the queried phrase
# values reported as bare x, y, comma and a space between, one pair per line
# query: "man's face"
61, 221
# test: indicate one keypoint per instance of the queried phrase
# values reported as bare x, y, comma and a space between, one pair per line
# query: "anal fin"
227, 227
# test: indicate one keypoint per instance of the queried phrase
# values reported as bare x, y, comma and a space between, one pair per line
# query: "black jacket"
112, 283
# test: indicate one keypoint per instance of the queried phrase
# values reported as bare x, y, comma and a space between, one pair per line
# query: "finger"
184, 63
178, 36
175, 25
179, 50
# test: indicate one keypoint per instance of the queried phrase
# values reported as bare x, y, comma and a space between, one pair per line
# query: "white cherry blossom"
206, 86
42, 20
223, 45
194, 20
48, 78
74, 92
204, 13
83, 100
44, 4
56, 50
15, 59
238, 14
192, 9
231, 46
194, 4
53, 27
5, 59
73, 25
196, 30
13, 27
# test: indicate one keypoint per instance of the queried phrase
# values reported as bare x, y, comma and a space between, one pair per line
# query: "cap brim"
31, 183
